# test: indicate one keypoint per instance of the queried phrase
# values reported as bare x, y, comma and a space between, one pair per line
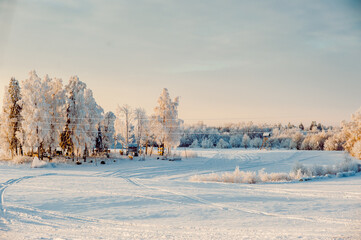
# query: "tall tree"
10, 127
108, 130
93, 119
75, 132
36, 112
167, 123
141, 126
55, 97
124, 124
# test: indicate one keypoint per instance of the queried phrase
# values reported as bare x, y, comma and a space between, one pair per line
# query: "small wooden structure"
265, 143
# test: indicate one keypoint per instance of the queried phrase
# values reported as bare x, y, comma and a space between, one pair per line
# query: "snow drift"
37, 163
299, 172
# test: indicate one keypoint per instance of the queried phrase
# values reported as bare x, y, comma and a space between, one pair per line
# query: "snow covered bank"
300, 172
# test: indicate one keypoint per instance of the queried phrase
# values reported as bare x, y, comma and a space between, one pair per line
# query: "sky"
229, 61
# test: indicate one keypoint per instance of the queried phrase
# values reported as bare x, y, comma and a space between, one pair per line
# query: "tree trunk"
146, 148
21, 150
151, 151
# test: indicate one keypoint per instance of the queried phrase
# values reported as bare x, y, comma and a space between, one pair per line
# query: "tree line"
41, 115
250, 135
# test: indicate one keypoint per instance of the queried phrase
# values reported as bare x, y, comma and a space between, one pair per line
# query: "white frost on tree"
207, 143
141, 128
10, 125
235, 141
108, 130
257, 142
245, 141
124, 125
223, 144
76, 129
93, 119
352, 132
195, 144
166, 121
36, 112
55, 97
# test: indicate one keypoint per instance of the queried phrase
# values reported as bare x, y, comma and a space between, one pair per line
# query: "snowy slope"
154, 199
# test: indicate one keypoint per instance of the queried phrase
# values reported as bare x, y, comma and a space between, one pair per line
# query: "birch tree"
167, 124
36, 112
124, 124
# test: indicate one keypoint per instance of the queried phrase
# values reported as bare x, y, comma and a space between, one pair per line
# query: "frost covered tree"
108, 130
93, 119
256, 142
207, 143
36, 112
235, 141
195, 144
124, 125
297, 140
335, 142
166, 121
55, 97
352, 132
223, 144
141, 128
76, 129
245, 141
10, 127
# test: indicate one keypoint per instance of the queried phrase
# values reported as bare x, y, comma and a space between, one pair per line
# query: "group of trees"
163, 128
41, 115
249, 135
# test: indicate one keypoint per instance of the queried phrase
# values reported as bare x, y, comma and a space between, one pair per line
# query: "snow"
154, 199
37, 163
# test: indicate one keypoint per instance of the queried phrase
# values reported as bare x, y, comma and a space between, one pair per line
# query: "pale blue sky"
266, 61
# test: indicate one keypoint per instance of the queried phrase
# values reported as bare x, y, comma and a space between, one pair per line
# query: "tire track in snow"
4, 186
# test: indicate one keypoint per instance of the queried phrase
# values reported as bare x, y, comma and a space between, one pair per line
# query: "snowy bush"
256, 142
356, 149
285, 143
299, 172
36, 163
223, 144
297, 140
207, 143
352, 132
22, 159
195, 144
238, 176
245, 141
235, 141
335, 142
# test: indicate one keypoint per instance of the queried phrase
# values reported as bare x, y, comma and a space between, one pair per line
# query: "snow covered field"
155, 199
